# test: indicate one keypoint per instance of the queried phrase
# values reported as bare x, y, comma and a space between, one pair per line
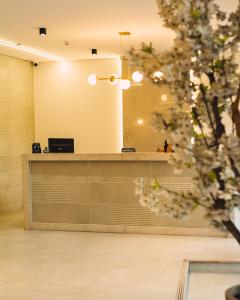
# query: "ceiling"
85, 25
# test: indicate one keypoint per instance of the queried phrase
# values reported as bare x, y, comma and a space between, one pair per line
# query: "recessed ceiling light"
94, 51
31, 51
42, 31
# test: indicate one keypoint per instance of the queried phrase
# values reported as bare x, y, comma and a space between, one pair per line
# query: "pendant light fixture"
124, 79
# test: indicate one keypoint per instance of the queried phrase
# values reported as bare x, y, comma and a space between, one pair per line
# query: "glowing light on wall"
140, 121
164, 97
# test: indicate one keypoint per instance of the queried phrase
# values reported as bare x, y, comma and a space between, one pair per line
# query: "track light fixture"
42, 31
94, 51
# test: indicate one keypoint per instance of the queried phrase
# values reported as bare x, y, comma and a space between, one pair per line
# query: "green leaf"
147, 48
199, 136
218, 64
195, 122
221, 108
203, 87
194, 207
155, 185
196, 13
172, 126
223, 38
212, 176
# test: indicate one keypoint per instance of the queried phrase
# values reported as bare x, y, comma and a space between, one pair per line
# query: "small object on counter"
36, 148
45, 150
128, 149
165, 146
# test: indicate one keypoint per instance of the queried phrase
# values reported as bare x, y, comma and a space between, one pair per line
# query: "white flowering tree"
202, 73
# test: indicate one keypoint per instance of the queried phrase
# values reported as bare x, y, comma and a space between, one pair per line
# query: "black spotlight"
94, 51
42, 31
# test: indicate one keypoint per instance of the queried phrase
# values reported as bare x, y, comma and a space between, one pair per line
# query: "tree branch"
220, 129
199, 124
232, 229
208, 111
236, 113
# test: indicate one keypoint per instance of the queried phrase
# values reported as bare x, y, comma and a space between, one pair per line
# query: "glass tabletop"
207, 280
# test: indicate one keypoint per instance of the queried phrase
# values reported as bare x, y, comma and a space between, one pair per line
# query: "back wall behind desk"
67, 106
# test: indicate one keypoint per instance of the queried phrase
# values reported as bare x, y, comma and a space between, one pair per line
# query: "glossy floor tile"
49, 265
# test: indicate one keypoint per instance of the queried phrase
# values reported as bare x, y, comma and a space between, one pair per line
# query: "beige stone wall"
139, 103
16, 127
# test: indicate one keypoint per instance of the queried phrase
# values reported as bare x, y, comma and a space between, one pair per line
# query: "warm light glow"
164, 97
112, 79
192, 140
137, 76
92, 79
31, 51
65, 66
158, 75
125, 84
140, 121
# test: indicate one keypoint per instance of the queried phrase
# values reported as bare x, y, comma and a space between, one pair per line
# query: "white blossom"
202, 73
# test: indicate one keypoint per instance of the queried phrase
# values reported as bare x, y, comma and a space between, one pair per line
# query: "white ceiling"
85, 24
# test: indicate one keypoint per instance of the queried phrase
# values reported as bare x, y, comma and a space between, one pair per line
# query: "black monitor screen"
62, 145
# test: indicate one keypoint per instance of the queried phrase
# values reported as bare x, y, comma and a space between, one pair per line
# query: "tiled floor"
94, 266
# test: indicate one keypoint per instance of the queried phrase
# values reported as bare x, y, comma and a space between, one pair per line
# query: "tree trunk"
236, 113
232, 229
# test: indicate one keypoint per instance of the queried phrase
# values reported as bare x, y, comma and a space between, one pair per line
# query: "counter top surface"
137, 156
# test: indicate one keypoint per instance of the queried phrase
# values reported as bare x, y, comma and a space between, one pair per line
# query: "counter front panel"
75, 193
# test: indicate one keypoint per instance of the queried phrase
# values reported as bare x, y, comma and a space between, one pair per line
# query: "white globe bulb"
125, 84
92, 79
137, 76
158, 74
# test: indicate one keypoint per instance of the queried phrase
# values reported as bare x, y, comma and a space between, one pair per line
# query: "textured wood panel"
194, 221
112, 192
101, 214
103, 193
131, 215
60, 168
121, 169
51, 192
61, 213
81, 192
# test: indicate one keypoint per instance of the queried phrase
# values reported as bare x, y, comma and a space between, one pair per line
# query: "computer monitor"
61, 145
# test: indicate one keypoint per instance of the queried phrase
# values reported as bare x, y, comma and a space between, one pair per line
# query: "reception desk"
95, 192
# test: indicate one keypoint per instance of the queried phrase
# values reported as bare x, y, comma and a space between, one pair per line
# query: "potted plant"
203, 75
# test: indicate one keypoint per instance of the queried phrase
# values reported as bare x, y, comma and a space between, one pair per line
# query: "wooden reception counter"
95, 192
